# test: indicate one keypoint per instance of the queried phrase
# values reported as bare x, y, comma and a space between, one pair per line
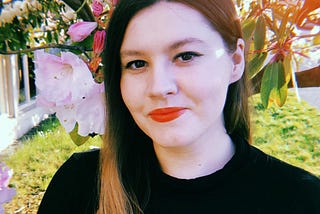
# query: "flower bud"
98, 41
81, 30
97, 8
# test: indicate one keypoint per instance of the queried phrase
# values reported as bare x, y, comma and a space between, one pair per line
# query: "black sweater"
251, 182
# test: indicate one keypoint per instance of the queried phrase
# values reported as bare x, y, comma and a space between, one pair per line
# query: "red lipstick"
166, 114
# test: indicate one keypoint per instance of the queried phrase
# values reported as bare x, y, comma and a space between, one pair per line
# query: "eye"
187, 56
136, 64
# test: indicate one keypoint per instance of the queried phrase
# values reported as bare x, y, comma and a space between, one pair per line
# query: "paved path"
311, 95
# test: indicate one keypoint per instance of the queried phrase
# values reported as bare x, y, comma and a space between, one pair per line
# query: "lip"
163, 115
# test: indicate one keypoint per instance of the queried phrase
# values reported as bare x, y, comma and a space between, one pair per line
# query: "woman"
178, 133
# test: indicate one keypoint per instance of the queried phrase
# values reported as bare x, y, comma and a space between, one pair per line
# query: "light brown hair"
127, 153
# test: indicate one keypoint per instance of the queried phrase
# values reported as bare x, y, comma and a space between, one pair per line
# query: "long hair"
126, 154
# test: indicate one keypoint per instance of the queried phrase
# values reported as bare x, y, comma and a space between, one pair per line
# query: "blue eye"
136, 64
187, 56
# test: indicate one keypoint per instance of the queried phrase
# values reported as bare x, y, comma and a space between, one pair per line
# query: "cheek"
125, 93
207, 88
131, 93
205, 84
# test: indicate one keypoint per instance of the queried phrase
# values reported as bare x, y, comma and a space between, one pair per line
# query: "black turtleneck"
251, 182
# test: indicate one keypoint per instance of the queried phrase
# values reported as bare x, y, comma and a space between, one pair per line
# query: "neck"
196, 159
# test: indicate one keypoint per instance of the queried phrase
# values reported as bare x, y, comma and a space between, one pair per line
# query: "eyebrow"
174, 45
130, 53
185, 41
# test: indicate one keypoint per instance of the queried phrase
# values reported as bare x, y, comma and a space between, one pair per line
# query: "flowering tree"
278, 33
70, 82
71, 86
30, 23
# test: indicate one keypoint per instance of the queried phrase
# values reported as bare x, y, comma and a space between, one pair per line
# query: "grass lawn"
35, 161
291, 133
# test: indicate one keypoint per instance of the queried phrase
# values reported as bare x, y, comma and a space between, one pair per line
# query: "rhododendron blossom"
66, 85
90, 113
74, 89
97, 8
98, 41
6, 194
81, 30
62, 80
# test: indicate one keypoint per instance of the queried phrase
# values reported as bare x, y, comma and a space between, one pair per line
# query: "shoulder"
82, 163
286, 182
82, 159
74, 185
272, 165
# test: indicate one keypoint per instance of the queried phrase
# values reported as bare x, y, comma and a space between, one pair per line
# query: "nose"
161, 81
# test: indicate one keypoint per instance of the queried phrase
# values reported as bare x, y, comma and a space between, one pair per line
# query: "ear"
238, 62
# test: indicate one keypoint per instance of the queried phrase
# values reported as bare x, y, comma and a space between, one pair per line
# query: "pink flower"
5, 175
62, 80
98, 41
66, 115
90, 113
6, 194
81, 30
66, 87
97, 7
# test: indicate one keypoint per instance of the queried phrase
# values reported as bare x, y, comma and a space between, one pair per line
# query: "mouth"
163, 115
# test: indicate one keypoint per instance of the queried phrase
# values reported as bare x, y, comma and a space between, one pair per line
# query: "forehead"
165, 22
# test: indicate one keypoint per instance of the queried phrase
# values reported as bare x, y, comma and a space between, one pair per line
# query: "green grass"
291, 133
35, 161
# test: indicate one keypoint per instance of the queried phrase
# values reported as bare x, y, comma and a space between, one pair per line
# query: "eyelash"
189, 54
132, 63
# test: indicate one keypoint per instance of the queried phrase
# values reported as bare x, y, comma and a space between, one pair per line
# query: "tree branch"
68, 47
84, 13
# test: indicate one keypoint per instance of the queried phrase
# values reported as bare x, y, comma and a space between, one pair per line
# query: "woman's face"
175, 75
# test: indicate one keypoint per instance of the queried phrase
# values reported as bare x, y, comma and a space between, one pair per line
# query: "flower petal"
6, 195
82, 81
67, 116
97, 8
81, 30
5, 175
98, 41
91, 113
62, 80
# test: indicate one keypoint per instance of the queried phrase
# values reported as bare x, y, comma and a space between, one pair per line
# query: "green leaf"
49, 36
87, 42
283, 31
287, 64
76, 138
260, 34
248, 27
56, 36
280, 95
273, 85
255, 64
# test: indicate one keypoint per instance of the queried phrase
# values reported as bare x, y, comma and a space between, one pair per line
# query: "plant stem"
68, 47
82, 5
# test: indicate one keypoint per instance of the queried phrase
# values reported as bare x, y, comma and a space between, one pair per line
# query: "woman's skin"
175, 76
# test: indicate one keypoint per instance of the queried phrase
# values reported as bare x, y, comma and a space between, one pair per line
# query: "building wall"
16, 118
